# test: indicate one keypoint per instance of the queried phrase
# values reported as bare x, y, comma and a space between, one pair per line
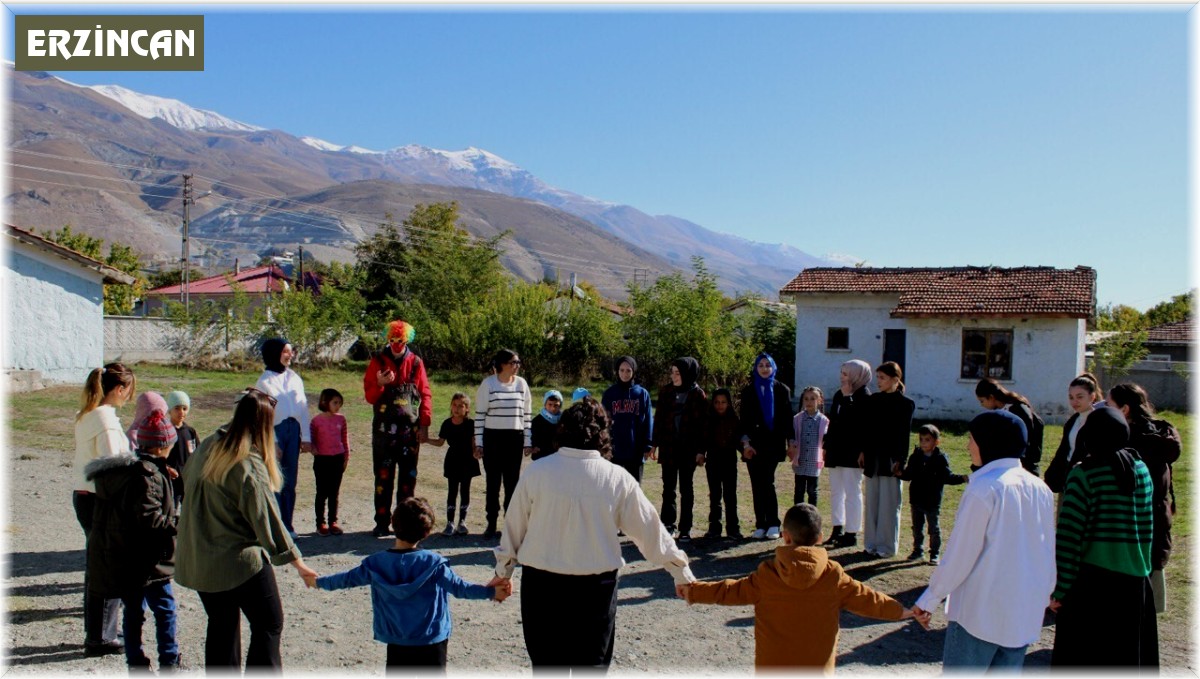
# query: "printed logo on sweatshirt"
626, 406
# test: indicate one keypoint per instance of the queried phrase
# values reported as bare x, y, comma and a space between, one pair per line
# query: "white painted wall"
55, 314
1047, 353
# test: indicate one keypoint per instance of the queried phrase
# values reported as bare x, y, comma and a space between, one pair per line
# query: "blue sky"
932, 137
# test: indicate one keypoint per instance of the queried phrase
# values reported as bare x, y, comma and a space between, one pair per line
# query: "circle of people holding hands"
158, 505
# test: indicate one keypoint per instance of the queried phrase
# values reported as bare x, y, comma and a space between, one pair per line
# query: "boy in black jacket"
131, 553
928, 472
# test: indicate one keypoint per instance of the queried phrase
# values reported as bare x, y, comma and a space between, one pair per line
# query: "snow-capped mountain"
172, 111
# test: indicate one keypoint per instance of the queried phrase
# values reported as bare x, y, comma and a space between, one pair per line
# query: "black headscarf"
998, 434
632, 366
1102, 441
272, 349
689, 370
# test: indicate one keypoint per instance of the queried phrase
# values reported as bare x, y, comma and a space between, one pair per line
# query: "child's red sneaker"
335, 529
322, 528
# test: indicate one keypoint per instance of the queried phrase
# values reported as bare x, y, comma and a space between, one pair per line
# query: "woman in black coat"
1159, 446
883, 461
766, 415
844, 443
679, 424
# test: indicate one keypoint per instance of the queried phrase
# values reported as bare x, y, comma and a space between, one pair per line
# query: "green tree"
677, 317
1178, 308
1119, 317
774, 331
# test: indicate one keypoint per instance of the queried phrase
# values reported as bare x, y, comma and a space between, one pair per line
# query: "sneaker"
933, 559
381, 532
758, 534
462, 529
449, 529
917, 555
335, 529
113, 647
833, 538
684, 536
322, 528
773, 533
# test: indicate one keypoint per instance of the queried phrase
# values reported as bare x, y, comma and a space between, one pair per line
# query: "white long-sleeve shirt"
503, 406
998, 570
288, 389
565, 514
97, 434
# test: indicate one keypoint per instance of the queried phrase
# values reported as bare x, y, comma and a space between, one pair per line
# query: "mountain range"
109, 161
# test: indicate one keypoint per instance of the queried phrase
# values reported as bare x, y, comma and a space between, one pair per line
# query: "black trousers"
722, 484
762, 487
503, 450
257, 599
328, 470
677, 471
579, 635
100, 615
805, 485
429, 655
394, 457
459, 489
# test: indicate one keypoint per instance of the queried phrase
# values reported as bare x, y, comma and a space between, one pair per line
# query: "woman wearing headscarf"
282, 383
562, 528
679, 439
1158, 444
628, 406
543, 428
1103, 597
844, 442
998, 570
766, 420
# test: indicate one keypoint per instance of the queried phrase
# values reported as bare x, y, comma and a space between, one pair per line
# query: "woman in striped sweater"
503, 408
1103, 597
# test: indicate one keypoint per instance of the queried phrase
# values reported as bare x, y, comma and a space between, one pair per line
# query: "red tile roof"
254, 280
957, 291
1179, 332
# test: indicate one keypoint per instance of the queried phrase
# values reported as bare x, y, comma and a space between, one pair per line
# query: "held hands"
172, 473
684, 592
529, 450
651, 454
748, 451
478, 452
793, 451
862, 461
306, 447
422, 434
504, 587
921, 616
1055, 604
385, 377
896, 470
307, 574
700, 458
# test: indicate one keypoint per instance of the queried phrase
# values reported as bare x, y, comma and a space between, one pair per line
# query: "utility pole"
300, 278
185, 292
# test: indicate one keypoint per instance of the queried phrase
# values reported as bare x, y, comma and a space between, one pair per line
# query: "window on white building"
987, 353
838, 338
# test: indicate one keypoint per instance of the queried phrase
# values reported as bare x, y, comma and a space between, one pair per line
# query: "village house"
1165, 372
947, 328
55, 311
259, 283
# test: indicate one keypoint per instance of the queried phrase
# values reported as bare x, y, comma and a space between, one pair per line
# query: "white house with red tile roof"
947, 328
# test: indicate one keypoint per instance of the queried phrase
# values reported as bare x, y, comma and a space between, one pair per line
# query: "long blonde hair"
250, 433
101, 381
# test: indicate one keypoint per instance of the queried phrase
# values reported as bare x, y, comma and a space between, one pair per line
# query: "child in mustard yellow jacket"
798, 597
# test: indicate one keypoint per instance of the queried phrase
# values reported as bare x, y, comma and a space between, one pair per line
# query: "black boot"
489, 533
833, 539
848, 540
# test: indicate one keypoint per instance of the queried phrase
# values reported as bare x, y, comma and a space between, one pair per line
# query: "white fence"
141, 339
1167, 382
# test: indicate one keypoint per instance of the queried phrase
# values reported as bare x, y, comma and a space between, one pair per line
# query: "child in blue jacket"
410, 591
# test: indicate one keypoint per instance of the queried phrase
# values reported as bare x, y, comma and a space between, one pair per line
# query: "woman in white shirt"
98, 434
562, 529
998, 570
292, 435
503, 410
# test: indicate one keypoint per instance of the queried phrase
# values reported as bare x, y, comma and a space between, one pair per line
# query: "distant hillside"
109, 161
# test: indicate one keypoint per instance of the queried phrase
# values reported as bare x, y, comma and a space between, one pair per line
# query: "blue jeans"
161, 601
965, 653
287, 439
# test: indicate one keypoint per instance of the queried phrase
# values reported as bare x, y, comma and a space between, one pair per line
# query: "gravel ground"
330, 632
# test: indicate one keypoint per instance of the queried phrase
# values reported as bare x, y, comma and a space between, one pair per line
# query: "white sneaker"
773, 533
758, 534
462, 528
449, 529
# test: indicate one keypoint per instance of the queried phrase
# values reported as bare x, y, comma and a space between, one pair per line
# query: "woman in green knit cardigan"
1103, 599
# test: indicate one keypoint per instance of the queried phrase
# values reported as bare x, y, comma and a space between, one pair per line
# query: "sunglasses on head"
251, 390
